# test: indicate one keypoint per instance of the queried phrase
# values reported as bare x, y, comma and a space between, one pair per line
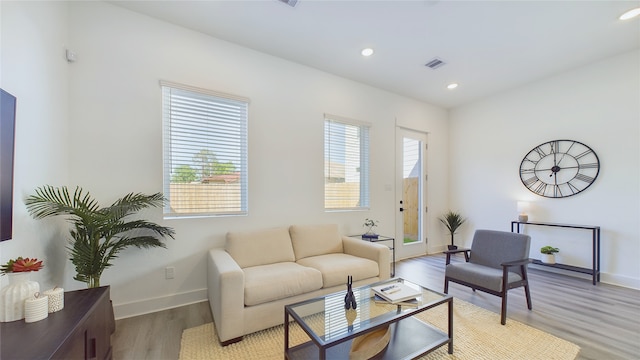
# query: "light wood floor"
603, 320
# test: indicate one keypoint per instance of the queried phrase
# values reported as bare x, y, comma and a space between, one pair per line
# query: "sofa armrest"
369, 250
226, 294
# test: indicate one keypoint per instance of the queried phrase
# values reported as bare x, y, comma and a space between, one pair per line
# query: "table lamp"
523, 206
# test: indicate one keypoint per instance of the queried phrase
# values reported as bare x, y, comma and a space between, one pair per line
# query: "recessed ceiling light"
452, 86
367, 52
630, 14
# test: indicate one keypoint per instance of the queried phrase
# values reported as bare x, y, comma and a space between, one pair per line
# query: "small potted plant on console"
549, 254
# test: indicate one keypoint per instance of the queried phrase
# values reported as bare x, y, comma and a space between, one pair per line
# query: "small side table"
390, 244
456, 251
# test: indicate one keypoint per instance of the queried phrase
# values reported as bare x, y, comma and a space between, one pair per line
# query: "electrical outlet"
169, 272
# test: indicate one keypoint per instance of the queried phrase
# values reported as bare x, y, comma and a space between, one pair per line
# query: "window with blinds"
346, 164
205, 152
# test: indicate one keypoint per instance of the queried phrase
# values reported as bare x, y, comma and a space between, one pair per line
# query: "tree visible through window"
205, 152
346, 164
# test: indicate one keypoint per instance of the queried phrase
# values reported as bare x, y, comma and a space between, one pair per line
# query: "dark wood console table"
82, 330
595, 247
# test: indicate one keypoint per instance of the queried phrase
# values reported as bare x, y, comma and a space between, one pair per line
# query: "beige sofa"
258, 273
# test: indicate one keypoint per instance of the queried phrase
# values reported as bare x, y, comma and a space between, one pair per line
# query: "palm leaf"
452, 221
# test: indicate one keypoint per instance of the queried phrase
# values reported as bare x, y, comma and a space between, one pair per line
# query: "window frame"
364, 146
168, 164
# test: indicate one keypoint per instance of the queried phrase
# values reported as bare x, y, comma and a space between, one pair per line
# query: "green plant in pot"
452, 220
99, 233
549, 252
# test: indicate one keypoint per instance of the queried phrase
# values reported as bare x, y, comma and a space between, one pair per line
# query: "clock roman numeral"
584, 178
573, 188
534, 162
555, 146
530, 181
556, 191
588, 166
570, 146
584, 153
541, 188
540, 152
528, 171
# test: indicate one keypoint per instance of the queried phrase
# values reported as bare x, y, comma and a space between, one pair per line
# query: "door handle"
401, 209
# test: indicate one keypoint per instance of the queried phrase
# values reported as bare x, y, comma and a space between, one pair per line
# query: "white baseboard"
147, 306
605, 278
618, 280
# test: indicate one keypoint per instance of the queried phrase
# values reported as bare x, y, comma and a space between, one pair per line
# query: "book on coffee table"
396, 292
411, 302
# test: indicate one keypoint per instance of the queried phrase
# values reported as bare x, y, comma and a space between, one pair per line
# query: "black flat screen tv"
7, 137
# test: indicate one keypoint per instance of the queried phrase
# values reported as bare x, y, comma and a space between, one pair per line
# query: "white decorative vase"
12, 296
548, 258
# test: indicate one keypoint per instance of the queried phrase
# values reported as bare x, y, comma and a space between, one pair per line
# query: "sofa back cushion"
312, 240
260, 247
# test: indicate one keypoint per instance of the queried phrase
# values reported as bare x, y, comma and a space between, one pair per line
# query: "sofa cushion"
336, 267
260, 247
271, 282
312, 240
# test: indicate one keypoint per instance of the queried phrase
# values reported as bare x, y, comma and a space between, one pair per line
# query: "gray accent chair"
496, 263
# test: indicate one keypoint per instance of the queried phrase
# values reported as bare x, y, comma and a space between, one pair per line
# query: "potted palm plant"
452, 220
99, 233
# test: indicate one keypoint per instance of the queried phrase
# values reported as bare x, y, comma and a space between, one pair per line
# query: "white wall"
33, 68
116, 128
598, 105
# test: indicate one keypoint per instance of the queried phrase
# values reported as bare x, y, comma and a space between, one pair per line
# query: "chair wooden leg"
525, 277
503, 313
528, 295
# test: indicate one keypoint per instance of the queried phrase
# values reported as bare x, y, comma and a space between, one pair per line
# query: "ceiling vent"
435, 63
291, 3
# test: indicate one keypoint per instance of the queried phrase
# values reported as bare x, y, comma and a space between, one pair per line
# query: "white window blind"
205, 152
346, 164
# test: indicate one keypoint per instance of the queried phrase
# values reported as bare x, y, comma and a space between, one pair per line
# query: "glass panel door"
410, 237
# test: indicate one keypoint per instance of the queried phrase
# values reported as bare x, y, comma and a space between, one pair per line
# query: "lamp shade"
523, 207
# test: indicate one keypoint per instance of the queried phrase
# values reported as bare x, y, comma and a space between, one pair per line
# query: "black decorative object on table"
370, 224
349, 298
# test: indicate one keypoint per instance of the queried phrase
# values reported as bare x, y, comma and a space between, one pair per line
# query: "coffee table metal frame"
413, 337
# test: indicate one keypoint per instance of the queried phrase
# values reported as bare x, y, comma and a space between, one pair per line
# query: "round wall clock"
559, 168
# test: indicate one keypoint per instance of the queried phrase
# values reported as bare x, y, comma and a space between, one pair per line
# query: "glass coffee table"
332, 329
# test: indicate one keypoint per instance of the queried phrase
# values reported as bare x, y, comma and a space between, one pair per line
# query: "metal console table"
595, 247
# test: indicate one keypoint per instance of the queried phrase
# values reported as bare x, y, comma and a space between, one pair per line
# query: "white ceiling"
489, 46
